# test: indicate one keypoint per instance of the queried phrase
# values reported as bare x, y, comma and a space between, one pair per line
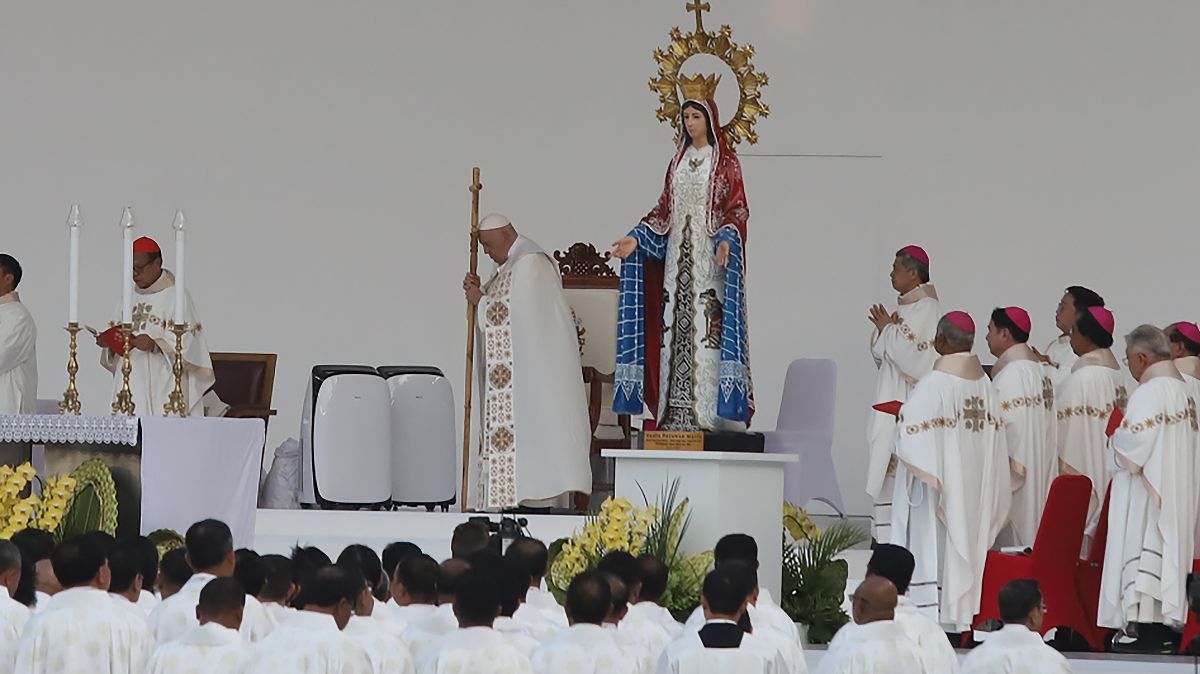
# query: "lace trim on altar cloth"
61, 429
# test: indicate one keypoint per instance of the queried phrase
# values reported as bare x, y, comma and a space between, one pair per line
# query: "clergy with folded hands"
586, 646
213, 645
953, 482
1027, 410
902, 346
880, 645
1017, 648
1085, 404
1155, 497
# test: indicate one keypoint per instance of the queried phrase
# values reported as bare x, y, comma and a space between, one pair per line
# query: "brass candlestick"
124, 402
70, 402
175, 404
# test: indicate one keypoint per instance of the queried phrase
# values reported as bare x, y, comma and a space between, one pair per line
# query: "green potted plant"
814, 580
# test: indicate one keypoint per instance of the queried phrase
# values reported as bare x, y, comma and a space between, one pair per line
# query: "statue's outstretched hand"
624, 248
722, 257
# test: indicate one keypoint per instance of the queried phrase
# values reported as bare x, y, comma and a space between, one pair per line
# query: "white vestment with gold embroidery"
1027, 409
152, 377
1083, 406
904, 353
1152, 510
535, 434
953, 487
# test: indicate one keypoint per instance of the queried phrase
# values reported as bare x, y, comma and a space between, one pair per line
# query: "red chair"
1087, 579
1052, 561
1192, 629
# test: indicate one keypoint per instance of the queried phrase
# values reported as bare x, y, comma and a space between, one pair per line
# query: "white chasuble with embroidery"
953, 487
535, 434
904, 353
1083, 406
1152, 509
1027, 410
18, 357
153, 376
83, 630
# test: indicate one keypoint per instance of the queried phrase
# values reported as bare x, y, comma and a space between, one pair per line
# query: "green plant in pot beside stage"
93, 505
814, 580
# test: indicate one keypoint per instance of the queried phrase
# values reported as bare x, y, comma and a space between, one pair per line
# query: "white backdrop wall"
323, 150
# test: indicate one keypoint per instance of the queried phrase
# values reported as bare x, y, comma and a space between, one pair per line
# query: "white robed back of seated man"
312, 640
645, 607
722, 642
380, 639
902, 347
896, 564
953, 477
1155, 496
13, 614
474, 646
18, 344
586, 646
1059, 358
1084, 405
210, 553
1017, 648
214, 644
534, 430
152, 344
1027, 410
880, 645
82, 629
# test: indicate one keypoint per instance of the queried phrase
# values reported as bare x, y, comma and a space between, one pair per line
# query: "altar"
169, 471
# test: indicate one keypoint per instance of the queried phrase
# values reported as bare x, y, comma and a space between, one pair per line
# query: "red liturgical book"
113, 340
1114, 422
891, 407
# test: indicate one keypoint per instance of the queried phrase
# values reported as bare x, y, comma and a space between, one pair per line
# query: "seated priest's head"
476, 599
81, 562
1145, 346
1093, 330
450, 572
893, 562
173, 572
654, 578
619, 595
955, 334
125, 570
1185, 339
874, 600
306, 562
394, 553
1009, 326
222, 601
624, 566
416, 581
278, 586
1021, 604
147, 262
333, 591
530, 556
248, 569
467, 538
10, 566
589, 599
723, 595
910, 269
497, 234
209, 545
1075, 299
10, 274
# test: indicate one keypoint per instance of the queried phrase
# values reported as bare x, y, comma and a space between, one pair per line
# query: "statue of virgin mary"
682, 347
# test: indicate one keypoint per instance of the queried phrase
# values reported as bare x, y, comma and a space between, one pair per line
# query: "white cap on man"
494, 221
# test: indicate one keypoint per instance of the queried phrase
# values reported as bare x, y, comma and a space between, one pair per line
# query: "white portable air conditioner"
346, 438
423, 447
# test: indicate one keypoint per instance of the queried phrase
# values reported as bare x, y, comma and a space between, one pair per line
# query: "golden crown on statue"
699, 87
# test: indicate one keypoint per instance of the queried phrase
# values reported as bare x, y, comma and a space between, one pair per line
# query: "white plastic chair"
805, 428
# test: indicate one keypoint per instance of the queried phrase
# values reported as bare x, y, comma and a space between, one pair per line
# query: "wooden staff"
476, 187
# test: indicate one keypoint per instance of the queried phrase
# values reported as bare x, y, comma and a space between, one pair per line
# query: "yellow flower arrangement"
44, 512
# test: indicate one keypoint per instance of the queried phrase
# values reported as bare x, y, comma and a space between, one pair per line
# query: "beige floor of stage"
277, 531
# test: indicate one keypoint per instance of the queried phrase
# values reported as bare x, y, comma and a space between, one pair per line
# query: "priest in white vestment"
1155, 494
1185, 349
902, 346
540, 613
645, 608
585, 647
213, 645
18, 344
1027, 410
311, 640
896, 564
380, 638
414, 590
13, 614
953, 481
528, 368
1060, 356
152, 344
1017, 648
1085, 403
82, 630
474, 647
209, 545
762, 609
880, 645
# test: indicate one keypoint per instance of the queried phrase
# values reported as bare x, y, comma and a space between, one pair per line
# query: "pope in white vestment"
18, 354
953, 481
1155, 493
902, 346
202, 649
1027, 410
82, 630
534, 430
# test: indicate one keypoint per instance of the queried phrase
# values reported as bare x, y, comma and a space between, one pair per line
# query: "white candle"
180, 292
74, 222
127, 266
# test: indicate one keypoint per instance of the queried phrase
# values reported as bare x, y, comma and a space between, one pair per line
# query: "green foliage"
93, 506
814, 582
82, 515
